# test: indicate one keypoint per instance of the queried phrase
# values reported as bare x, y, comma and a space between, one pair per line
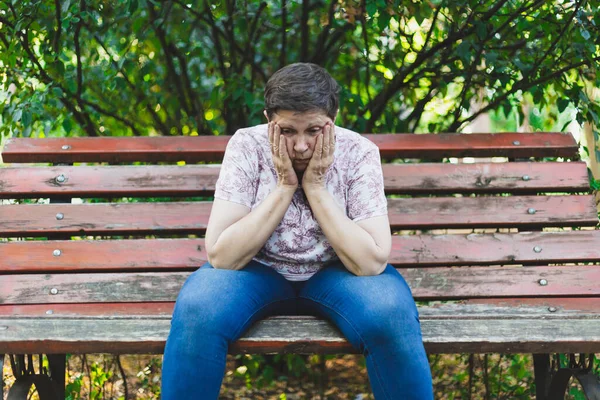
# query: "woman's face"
300, 131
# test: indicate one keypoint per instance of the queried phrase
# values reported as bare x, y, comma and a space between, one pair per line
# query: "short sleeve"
366, 195
238, 179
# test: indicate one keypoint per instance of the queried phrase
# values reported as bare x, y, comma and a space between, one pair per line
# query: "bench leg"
543, 375
552, 381
49, 386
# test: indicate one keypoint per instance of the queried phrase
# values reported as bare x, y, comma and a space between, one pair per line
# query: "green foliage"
142, 67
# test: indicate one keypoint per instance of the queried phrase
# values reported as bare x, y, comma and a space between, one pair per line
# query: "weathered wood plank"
299, 335
199, 180
522, 212
508, 177
499, 308
407, 251
426, 283
212, 148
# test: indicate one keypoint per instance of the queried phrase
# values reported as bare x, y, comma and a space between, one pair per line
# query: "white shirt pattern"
297, 249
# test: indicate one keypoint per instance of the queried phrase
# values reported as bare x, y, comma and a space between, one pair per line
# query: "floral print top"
297, 249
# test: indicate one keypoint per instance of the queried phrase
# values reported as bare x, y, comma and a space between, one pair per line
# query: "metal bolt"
60, 179
531, 211
543, 282
526, 177
537, 249
516, 143
552, 309
3, 328
49, 312
56, 253
66, 147
60, 216
54, 291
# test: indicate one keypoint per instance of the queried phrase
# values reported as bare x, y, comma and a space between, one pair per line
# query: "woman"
299, 225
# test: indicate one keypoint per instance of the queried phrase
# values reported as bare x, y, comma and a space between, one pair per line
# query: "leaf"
65, 6
26, 118
133, 5
67, 125
17, 115
562, 104
585, 34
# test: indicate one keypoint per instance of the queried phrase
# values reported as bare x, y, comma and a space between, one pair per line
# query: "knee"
391, 319
198, 305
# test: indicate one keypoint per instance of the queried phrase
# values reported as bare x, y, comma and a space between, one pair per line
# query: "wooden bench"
502, 256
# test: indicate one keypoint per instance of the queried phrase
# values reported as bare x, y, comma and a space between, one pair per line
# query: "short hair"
302, 87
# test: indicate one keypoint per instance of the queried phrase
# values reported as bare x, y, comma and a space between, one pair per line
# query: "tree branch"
521, 85
78, 50
172, 74
82, 118
304, 31
138, 93
282, 55
57, 33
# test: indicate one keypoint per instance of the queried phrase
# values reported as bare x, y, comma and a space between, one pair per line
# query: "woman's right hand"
286, 176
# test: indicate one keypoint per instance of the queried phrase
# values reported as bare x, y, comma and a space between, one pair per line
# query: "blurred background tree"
149, 67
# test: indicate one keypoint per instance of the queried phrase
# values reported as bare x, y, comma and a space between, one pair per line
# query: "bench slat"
199, 180
407, 251
24, 220
527, 334
467, 309
427, 284
212, 148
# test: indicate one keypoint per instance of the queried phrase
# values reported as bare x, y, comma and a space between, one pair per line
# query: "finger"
332, 139
270, 130
276, 137
326, 140
319, 147
283, 154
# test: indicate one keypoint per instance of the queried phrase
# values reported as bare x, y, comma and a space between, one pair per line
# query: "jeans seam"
352, 325
239, 331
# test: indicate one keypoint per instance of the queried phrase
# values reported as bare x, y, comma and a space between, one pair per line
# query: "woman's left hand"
316, 172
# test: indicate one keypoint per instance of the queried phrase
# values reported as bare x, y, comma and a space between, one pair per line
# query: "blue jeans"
377, 315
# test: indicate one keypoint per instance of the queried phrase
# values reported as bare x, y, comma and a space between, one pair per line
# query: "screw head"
537, 249
54, 291
60, 216
66, 147
56, 253
49, 312
526, 177
516, 143
531, 211
543, 282
552, 309
60, 179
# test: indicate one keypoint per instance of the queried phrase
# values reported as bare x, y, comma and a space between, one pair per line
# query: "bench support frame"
50, 384
552, 380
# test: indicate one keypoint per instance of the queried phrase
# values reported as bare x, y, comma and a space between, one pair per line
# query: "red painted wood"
407, 251
159, 181
192, 217
153, 309
165, 309
105, 181
426, 284
522, 212
211, 148
553, 305
104, 219
507, 177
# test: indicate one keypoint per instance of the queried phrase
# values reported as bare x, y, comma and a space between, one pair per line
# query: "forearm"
355, 247
236, 245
